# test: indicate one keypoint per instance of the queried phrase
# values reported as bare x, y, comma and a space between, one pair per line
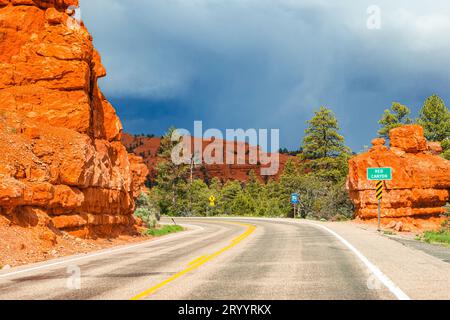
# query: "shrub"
147, 210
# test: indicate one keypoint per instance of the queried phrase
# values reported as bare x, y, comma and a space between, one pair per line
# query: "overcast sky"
268, 64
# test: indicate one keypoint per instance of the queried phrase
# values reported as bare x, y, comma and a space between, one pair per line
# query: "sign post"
379, 175
379, 198
294, 202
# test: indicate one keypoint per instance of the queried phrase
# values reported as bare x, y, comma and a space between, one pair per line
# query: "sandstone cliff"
147, 148
421, 181
62, 163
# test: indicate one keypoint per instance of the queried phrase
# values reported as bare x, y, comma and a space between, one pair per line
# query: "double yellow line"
199, 261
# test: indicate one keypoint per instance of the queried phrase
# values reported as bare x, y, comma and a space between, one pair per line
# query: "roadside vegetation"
163, 230
438, 237
148, 211
317, 173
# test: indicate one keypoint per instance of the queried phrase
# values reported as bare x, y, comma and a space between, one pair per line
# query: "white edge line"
373, 268
106, 252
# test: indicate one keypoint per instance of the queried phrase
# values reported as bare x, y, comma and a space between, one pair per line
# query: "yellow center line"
197, 260
200, 261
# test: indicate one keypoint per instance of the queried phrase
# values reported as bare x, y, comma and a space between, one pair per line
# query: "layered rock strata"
62, 162
421, 180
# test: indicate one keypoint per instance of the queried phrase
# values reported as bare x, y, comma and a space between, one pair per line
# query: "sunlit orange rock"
59, 137
421, 180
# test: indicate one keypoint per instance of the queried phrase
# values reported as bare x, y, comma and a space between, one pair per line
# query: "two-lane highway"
215, 259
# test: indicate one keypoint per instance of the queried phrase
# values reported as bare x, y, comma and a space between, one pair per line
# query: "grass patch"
442, 237
163, 230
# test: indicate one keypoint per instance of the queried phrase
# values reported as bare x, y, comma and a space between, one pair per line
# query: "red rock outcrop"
147, 148
62, 162
421, 181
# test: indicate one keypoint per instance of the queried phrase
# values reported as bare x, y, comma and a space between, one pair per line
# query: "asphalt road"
214, 259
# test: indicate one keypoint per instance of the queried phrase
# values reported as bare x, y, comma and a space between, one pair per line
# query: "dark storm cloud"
267, 64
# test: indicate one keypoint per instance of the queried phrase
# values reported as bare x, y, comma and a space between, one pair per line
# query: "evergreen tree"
199, 194
435, 119
215, 186
167, 145
172, 179
289, 180
253, 186
324, 150
229, 192
275, 202
397, 116
243, 205
322, 138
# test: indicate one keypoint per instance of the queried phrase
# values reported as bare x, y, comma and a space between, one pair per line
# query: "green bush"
442, 236
147, 210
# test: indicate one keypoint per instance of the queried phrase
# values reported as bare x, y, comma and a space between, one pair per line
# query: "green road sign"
379, 174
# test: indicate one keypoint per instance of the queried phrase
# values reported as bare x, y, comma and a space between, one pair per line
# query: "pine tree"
243, 205
397, 116
253, 186
435, 119
167, 145
198, 193
289, 178
324, 150
229, 192
322, 138
172, 179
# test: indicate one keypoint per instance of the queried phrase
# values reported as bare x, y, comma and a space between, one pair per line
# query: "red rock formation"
62, 160
147, 148
421, 180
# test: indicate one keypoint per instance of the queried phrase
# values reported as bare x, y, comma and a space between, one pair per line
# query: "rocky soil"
21, 246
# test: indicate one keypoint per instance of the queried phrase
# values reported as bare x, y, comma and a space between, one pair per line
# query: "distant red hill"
147, 147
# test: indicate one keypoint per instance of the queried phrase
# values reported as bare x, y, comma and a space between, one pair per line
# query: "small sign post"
379, 175
294, 202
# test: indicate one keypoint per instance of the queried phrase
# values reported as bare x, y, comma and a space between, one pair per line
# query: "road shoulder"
62, 261
420, 275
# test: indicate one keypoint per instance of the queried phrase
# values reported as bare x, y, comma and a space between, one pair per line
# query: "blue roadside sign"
294, 198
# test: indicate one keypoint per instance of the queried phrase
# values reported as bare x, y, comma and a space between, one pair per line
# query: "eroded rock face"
421, 180
59, 136
147, 148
